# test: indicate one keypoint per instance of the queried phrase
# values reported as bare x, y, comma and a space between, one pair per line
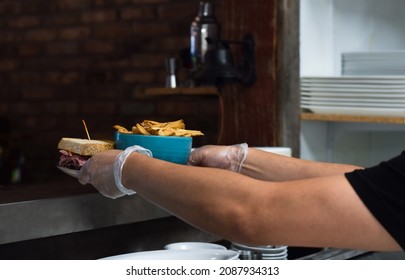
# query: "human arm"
274, 167
263, 165
319, 212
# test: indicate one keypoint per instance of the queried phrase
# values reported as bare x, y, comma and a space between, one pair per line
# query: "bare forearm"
204, 197
245, 210
272, 167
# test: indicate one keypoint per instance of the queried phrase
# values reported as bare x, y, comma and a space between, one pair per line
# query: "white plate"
265, 249
354, 86
354, 104
275, 255
342, 99
361, 90
387, 96
366, 79
203, 254
355, 111
68, 171
193, 246
360, 97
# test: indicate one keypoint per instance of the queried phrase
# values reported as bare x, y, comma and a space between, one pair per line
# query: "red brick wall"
62, 61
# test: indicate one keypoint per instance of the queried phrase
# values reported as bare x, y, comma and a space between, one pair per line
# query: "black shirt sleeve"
382, 190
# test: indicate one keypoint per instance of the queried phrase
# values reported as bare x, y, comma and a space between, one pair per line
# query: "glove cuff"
244, 151
119, 165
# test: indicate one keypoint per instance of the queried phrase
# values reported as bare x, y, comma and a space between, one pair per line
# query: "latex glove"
224, 157
104, 171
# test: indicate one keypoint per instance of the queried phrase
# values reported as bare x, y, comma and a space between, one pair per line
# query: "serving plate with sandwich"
74, 152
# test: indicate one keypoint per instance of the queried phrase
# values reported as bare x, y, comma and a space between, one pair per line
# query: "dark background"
62, 61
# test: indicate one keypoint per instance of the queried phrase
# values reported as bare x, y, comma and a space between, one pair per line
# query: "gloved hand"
224, 157
104, 171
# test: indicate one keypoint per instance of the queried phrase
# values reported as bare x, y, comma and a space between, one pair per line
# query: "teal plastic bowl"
169, 148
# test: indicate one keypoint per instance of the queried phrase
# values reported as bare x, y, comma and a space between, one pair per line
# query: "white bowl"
203, 254
193, 246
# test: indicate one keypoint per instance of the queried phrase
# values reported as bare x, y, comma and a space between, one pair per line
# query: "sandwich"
74, 152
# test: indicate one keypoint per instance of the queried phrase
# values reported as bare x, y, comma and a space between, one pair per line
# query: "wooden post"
257, 114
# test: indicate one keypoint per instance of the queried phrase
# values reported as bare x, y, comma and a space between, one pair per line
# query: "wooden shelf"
212, 91
346, 118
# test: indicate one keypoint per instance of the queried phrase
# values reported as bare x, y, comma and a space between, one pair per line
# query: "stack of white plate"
354, 95
373, 63
260, 252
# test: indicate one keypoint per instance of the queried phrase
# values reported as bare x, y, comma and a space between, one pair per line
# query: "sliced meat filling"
72, 160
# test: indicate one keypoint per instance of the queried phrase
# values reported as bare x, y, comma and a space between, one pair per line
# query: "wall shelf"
347, 118
189, 91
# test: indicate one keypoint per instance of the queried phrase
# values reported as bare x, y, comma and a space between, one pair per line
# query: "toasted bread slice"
84, 147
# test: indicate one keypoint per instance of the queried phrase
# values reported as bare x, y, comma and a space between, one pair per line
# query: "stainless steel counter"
52, 215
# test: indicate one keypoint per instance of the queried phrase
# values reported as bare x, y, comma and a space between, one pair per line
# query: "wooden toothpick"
85, 128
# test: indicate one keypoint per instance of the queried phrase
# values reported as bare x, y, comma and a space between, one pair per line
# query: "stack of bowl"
260, 252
